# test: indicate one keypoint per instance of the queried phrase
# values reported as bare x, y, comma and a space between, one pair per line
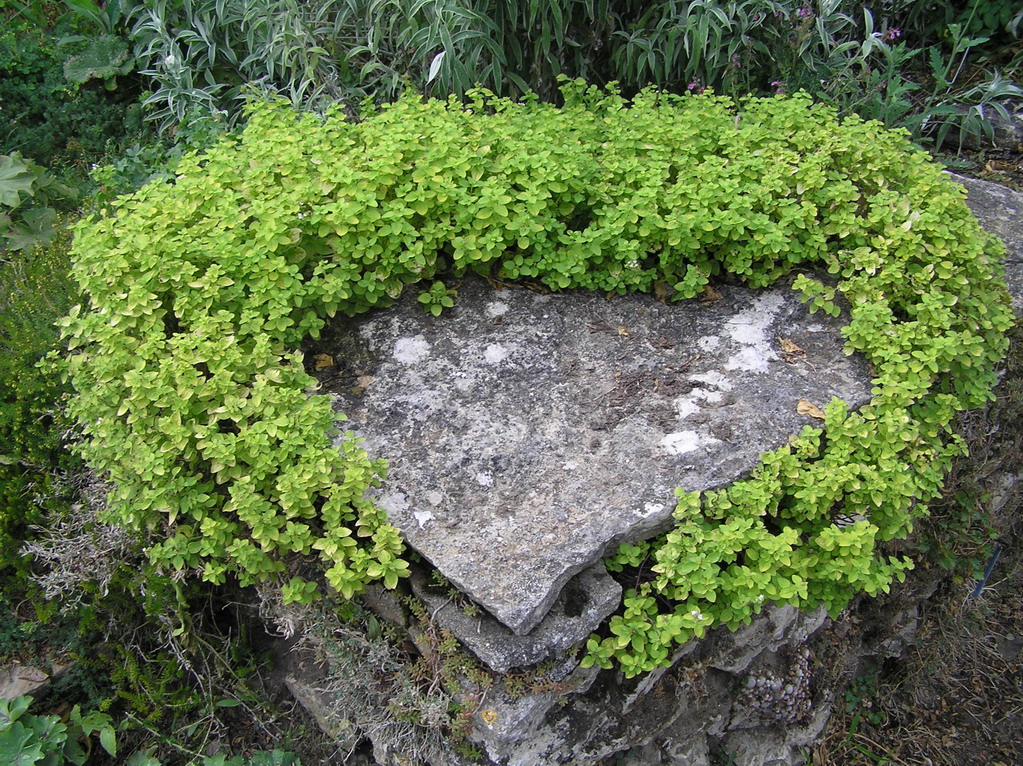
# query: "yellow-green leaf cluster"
198, 408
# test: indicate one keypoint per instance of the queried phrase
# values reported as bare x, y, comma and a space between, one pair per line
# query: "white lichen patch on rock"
749, 329
411, 350
552, 427
495, 353
422, 517
497, 309
681, 442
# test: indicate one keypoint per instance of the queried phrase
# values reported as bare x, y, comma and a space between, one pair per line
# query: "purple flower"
693, 85
757, 17
779, 87
804, 13
893, 34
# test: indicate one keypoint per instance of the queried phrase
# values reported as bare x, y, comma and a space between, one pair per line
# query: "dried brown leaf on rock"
789, 348
710, 295
809, 408
361, 384
323, 361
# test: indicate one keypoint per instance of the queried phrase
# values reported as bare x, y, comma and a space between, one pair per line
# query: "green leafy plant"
39, 13
964, 110
438, 297
26, 190
991, 19
859, 696
869, 68
26, 738
36, 289
105, 58
201, 56
700, 44
60, 126
272, 758
106, 55
109, 17
198, 411
860, 703
152, 160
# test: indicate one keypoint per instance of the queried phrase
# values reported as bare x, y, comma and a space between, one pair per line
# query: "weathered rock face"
1000, 211
481, 412
752, 693
583, 604
750, 679
527, 434
19, 680
1008, 133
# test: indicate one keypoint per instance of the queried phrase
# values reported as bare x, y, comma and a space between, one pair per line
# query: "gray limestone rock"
774, 628
513, 730
692, 751
776, 745
342, 730
1000, 212
1007, 132
528, 433
700, 696
19, 680
583, 604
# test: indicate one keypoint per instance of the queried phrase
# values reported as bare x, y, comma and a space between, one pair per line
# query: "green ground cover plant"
36, 289
199, 410
49, 740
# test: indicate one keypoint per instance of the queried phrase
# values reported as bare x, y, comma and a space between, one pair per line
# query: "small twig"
1011, 713
437, 610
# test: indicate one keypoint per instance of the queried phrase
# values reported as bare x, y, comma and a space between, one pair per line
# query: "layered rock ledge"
762, 694
527, 433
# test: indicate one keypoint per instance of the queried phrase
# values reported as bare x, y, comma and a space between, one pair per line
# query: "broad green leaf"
16, 179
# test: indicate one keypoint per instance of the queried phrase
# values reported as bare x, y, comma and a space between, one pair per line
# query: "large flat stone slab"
528, 433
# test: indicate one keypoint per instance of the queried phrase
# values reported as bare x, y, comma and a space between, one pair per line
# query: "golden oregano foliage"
197, 408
